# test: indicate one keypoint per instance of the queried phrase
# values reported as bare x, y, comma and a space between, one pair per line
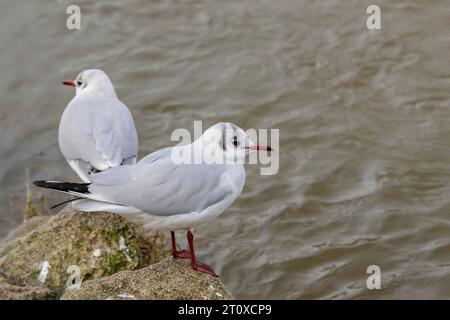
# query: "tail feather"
85, 201
68, 187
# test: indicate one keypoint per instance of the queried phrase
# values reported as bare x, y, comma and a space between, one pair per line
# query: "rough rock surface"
27, 226
116, 260
99, 243
9, 291
169, 279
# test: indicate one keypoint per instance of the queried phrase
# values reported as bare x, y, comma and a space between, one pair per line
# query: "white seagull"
97, 130
166, 193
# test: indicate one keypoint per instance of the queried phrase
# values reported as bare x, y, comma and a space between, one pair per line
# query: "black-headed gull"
162, 192
97, 130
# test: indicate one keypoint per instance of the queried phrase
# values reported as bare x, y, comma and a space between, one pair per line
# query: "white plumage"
159, 193
162, 192
96, 130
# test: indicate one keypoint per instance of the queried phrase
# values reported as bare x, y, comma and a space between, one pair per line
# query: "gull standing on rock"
166, 191
97, 130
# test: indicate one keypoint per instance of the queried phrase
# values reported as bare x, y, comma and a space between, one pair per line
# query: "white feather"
97, 130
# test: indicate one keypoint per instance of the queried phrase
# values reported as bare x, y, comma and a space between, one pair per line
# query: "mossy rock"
99, 244
26, 227
9, 291
169, 279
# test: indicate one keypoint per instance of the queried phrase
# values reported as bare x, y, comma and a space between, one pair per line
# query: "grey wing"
161, 187
125, 174
100, 132
115, 135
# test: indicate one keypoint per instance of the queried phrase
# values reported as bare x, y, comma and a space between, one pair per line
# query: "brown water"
364, 119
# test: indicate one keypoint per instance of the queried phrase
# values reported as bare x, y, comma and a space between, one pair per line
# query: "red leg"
178, 253
194, 264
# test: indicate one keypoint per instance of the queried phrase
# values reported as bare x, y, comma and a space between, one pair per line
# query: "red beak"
261, 147
69, 83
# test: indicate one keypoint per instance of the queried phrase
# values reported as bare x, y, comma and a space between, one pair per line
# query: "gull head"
92, 80
227, 141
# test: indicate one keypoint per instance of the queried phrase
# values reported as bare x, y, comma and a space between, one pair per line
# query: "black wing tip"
63, 186
64, 202
40, 183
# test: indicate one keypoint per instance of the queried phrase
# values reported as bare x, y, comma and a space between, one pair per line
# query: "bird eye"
79, 82
235, 141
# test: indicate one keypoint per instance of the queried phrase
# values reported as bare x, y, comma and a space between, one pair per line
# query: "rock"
115, 260
151, 246
9, 291
99, 244
170, 279
27, 226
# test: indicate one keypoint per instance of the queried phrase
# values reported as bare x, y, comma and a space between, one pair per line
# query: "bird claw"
201, 267
182, 254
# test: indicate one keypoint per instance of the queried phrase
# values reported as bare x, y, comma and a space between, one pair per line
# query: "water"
364, 123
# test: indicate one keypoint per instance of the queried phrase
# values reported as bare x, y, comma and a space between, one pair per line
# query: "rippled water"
364, 119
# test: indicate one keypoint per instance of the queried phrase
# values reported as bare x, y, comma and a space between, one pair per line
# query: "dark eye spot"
235, 141
79, 83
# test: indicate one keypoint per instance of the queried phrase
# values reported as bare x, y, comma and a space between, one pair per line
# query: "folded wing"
158, 186
98, 134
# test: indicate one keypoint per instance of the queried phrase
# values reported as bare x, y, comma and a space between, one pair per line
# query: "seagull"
96, 131
168, 190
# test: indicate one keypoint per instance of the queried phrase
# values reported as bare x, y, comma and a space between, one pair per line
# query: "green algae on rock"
99, 244
41, 258
169, 279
